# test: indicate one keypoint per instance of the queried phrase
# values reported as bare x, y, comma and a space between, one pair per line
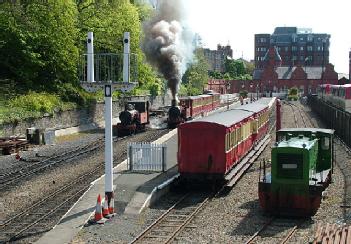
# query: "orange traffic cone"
98, 210
111, 208
105, 211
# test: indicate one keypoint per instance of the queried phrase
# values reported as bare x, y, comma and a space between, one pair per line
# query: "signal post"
93, 81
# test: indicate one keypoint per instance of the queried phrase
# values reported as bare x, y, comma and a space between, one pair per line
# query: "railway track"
8, 179
42, 215
295, 108
281, 229
39, 217
14, 176
179, 216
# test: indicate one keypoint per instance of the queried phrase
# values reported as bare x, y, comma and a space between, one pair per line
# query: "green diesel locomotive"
301, 169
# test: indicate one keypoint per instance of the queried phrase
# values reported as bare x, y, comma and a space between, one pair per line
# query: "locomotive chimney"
174, 102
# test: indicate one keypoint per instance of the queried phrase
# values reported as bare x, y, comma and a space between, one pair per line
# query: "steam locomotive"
133, 119
191, 107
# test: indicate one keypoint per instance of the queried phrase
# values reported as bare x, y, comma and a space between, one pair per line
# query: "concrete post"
278, 115
90, 57
126, 57
108, 144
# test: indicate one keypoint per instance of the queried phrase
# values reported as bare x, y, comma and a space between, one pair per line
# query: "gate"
147, 157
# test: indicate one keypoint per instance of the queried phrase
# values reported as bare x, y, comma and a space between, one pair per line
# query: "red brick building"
274, 77
231, 86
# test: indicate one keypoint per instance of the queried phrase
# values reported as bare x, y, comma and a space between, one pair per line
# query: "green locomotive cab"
302, 163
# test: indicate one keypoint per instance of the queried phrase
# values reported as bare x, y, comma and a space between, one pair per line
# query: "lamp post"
251, 91
227, 86
323, 63
256, 91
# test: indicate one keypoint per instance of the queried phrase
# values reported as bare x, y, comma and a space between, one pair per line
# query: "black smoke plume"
165, 44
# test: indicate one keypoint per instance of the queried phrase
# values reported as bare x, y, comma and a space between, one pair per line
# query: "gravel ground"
30, 191
64, 143
232, 218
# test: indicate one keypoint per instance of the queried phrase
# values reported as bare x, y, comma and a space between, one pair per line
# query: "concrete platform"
133, 193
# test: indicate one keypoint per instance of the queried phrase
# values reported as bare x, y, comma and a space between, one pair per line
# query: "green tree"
235, 68
109, 20
145, 11
196, 76
215, 74
38, 41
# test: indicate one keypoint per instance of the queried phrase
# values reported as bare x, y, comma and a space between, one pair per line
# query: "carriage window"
226, 142
325, 143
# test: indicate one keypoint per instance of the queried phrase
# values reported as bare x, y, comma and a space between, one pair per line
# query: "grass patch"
32, 105
22, 103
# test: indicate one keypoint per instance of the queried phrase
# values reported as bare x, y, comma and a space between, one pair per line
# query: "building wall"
295, 46
350, 66
270, 82
216, 58
230, 86
77, 117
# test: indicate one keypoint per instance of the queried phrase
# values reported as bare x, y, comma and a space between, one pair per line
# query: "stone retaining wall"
72, 118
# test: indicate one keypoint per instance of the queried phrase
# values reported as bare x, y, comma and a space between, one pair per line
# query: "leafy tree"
109, 20
38, 41
235, 68
196, 76
227, 76
215, 74
293, 91
249, 66
145, 11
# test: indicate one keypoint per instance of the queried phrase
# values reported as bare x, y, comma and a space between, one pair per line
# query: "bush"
38, 102
243, 93
13, 115
293, 91
74, 94
293, 98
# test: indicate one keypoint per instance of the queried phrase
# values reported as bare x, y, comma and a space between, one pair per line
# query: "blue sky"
236, 22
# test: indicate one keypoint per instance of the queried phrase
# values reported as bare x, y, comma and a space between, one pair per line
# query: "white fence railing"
147, 157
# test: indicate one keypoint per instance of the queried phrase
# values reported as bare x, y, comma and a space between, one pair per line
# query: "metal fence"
108, 67
147, 157
333, 117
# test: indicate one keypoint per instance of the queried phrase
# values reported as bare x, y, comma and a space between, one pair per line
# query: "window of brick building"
309, 48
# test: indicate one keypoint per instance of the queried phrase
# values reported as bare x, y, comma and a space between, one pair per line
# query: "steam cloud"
167, 45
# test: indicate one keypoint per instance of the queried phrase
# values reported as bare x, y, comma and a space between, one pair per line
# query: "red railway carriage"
196, 105
259, 126
208, 148
206, 103
204, 147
